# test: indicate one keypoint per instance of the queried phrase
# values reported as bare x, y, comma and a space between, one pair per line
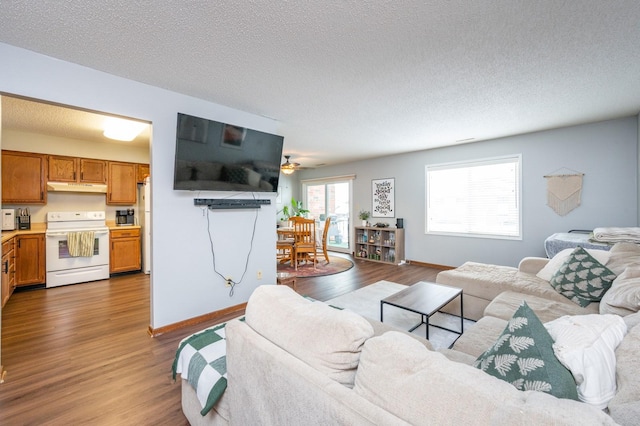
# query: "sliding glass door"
331, 197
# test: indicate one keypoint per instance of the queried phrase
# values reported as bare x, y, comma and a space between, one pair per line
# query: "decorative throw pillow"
582, 279
546, 273
523, 356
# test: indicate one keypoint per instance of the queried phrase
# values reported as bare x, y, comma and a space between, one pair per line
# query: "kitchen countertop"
112, 225
41, 227
36, 228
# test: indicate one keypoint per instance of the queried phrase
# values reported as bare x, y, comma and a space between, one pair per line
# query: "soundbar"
230, 203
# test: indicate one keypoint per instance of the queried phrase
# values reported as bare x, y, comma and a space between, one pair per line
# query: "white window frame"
476, 233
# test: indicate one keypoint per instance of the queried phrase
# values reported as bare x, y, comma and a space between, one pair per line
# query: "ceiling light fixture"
288, 168
121, 129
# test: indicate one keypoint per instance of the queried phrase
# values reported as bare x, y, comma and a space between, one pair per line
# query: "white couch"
294, 361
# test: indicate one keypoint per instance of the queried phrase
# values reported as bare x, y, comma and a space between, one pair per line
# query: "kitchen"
81, 181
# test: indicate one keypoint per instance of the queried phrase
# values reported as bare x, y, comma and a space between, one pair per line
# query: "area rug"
366, 302
336, 265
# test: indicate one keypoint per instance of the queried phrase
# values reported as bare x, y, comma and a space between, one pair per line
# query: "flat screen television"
215, 156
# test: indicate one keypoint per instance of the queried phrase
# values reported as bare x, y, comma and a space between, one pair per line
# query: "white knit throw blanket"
563, 192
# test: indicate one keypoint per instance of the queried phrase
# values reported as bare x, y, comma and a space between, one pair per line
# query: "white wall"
183, 283
606, 152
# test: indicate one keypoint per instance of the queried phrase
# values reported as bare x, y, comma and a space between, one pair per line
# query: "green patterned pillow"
523, 356
582, 279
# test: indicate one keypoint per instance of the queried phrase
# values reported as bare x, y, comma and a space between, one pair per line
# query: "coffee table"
425, 298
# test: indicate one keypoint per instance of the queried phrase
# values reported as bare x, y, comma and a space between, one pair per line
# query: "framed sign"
383, 197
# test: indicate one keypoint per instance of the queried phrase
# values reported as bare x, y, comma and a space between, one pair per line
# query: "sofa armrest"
532, 265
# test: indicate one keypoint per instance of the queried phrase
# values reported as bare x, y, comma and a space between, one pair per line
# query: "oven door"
59, 259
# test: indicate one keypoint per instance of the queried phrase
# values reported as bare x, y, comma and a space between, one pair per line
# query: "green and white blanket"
201, 360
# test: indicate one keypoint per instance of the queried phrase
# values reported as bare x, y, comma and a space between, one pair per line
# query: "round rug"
335, 266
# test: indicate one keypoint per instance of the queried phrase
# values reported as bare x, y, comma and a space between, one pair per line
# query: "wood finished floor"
81, 354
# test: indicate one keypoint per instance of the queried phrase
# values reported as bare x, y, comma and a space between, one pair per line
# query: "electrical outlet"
229, 281
259, 275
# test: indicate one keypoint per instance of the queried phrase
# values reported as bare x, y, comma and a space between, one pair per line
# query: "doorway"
331, 197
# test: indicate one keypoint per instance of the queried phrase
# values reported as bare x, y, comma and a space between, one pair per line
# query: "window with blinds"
476, 199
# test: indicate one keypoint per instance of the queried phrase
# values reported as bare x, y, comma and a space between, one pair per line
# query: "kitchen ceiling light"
122, 130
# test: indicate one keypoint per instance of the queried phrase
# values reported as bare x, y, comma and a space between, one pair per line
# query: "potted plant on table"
364, 215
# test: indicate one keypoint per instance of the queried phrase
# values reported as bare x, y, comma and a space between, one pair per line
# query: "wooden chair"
284, 250
304, 241
321, 246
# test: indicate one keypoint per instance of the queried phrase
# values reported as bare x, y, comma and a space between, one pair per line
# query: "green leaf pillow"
523, 356
582, 278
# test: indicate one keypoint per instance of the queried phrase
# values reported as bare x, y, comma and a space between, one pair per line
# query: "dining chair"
304, 241
321, 245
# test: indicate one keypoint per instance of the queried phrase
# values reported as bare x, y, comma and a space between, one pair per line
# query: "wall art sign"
383, 197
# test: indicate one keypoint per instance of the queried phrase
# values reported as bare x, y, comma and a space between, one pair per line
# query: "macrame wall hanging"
563, 191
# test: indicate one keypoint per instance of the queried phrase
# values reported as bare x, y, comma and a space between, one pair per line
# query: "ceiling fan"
287, 167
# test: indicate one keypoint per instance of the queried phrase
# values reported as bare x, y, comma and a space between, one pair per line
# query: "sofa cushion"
549, 270
420, 386
586, 345
480, 336
582, 279
623, 298
505, 305
622, 255
625, 405
523, 356
328, 339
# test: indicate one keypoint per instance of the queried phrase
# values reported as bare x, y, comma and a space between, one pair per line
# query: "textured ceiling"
354, 79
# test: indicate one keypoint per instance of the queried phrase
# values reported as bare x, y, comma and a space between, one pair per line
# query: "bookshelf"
385, 245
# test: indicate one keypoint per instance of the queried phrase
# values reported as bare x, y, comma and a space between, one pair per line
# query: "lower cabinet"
8, 270
30, 259
125, 253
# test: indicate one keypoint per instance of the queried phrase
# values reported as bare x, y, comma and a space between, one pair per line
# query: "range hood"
100, 188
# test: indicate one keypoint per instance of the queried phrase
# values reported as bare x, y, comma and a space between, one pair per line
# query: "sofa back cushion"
622, 255
328, 339
623, 298
421, 386
625, 405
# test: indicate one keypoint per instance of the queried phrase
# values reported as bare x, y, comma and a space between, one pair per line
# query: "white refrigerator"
145, 207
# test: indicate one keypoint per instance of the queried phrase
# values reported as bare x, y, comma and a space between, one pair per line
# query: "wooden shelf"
384, 245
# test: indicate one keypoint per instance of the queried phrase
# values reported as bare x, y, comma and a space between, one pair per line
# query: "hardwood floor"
81, 354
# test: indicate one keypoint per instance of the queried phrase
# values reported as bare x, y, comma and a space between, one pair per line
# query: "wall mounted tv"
214, 156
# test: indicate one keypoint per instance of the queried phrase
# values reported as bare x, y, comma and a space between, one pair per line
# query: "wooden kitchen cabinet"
142, 171
30, 259
8, 270
81, 170
125, 253
121, 183
24, 176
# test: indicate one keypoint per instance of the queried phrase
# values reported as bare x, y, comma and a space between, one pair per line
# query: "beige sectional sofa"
294, 361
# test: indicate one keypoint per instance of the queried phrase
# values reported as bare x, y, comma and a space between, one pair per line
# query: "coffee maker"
125, 217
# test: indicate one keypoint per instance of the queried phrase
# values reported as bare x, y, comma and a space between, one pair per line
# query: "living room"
183, 285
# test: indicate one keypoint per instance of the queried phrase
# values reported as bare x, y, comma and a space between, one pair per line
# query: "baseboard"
222, 314
430, 265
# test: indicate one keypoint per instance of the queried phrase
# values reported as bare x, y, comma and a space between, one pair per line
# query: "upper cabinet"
71, 169
121, 183
24, 177
142, 171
